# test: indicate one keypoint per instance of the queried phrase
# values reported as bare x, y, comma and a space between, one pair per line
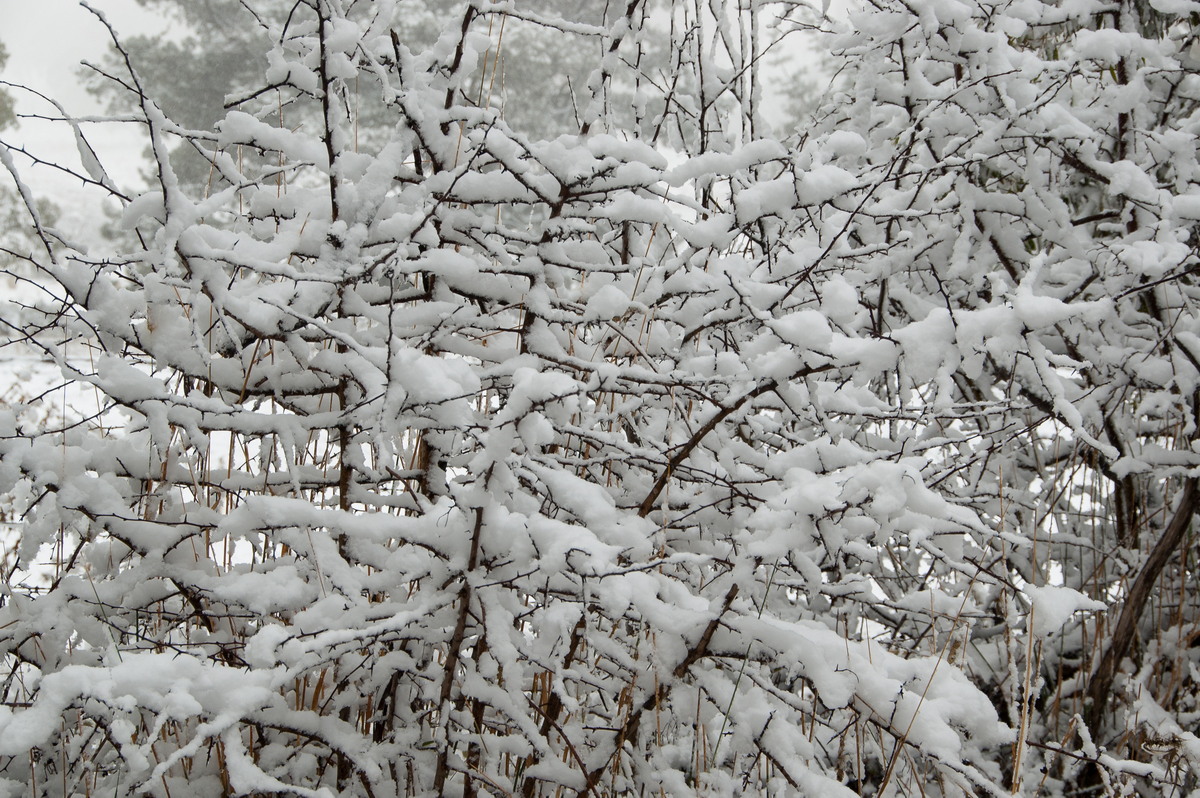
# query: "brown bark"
1135, 601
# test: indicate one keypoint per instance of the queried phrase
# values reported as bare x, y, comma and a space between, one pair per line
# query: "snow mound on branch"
1051, 607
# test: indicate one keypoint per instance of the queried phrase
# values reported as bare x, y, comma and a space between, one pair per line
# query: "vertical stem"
327, 106
453, 655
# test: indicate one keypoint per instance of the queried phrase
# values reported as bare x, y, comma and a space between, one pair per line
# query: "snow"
752, 154
1053, 606
845, 143
805, 329
823, 184
659, 455
608, 302
1109, 45
1126, 177
769, 198
239, 127
1175, 6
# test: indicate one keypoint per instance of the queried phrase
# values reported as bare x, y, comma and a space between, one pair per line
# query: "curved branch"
1139, 593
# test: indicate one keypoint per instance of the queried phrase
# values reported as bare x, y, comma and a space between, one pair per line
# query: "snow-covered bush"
668, 457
